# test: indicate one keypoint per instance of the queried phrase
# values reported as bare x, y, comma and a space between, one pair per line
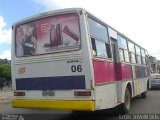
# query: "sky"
137, 19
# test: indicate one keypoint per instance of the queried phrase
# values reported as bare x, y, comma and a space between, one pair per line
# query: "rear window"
47, 35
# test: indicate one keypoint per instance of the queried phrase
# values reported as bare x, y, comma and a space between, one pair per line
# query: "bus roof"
68, 10
46, 14
119, 33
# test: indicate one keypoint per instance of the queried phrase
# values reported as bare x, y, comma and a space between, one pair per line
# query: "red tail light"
19, 93
82, 93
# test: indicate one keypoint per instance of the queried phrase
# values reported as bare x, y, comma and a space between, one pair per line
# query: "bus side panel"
141, 85
103, 71
140, 79
123, 76
105, 96
133, 74
105, 89
123, 71
122, 87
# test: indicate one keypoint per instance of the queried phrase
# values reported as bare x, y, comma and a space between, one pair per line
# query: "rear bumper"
55, 104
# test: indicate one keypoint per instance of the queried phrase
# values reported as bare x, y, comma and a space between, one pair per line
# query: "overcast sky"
137, 19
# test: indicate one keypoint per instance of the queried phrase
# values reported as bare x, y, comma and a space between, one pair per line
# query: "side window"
121, 54
126, 55
108, 50
99, 39
122, 42
97, 30
101, 49
93, 46
138, 55
146, 57
132, 52
143, 57
138, 51
139, 59
131, 47
133, 58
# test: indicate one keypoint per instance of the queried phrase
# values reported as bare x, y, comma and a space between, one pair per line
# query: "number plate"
48, 93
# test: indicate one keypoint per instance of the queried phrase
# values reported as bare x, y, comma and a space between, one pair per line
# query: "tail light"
19, 93
82, 93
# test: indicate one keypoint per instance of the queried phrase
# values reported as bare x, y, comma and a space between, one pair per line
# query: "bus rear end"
51, 65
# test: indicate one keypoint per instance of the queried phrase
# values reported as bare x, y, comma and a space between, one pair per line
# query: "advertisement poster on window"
48, 35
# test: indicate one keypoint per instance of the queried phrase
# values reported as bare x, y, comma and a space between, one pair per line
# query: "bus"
68, 59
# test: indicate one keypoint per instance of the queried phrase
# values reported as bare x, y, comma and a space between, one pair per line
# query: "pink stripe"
123, 71
103, 71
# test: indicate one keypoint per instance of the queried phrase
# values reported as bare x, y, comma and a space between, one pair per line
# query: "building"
154, 64
5, 61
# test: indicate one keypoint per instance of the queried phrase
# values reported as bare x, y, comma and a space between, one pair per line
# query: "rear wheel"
144, 94
126, 106
148, 87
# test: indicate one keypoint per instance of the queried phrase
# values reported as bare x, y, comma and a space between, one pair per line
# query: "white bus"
70, 60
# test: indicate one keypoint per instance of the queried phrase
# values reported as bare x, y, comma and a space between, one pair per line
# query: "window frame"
106, 42
131, 58
120, 45
144, 62
104, 26
53, 52
138, 55
124, 49
132, 52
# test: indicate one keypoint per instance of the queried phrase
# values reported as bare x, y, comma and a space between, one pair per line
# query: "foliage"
5, 71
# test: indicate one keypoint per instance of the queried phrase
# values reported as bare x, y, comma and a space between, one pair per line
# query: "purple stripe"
141, 72
49, 83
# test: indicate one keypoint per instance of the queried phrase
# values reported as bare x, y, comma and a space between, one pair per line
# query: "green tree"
5, 71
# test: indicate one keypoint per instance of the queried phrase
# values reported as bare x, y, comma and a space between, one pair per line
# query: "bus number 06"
75, 68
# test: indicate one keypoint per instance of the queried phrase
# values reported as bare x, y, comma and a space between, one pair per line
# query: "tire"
126, 106
144, 94
148, 86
